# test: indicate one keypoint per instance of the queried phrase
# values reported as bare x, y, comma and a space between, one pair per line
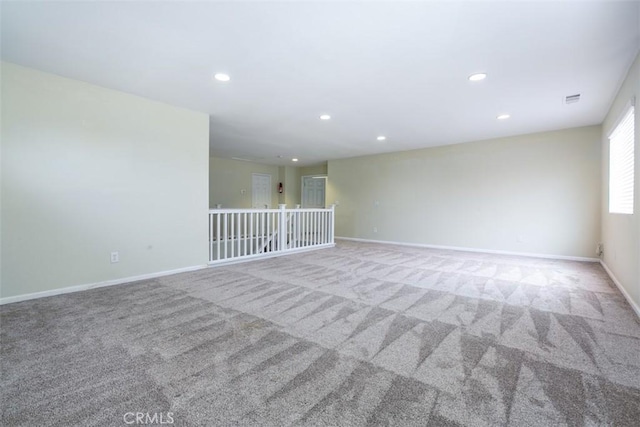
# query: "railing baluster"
295, 230
217, 236
226, 220
289, 240
306, 229
332, 216
315, 227
265, 245
324, 227
268, 233
244, 229
303, 237
309, 227
210, 236
232, 233
262, 221
251, 242
310, 233
239, 235
272, 234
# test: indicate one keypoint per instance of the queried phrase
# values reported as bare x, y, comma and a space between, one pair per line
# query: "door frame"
318, 176
253, 192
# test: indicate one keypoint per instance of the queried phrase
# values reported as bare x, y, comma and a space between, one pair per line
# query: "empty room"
319, 213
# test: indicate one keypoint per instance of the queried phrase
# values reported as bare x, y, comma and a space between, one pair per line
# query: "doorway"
260, 191
313, 191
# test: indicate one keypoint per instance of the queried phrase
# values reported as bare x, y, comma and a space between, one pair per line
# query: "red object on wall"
280, 189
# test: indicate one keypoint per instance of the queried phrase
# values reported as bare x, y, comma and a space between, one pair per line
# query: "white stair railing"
236, 234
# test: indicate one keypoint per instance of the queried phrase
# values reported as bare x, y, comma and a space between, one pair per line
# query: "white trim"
78, 288
253, 189
318, 176
622, 290
486, 251
257, 257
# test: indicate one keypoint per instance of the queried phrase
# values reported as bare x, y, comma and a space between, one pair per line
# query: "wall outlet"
115, 257
375, 229
600, 249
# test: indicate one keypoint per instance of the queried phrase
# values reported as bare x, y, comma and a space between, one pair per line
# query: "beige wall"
621, 233
230, 182
320, 169
228, 178
87, 171
282, 174
537, 193
291, 186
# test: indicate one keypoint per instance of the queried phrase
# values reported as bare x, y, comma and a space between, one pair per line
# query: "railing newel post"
332, 224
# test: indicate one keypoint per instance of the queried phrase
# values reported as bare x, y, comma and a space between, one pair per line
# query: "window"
621, 142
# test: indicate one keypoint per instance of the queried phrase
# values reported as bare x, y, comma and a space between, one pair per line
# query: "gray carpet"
360, 334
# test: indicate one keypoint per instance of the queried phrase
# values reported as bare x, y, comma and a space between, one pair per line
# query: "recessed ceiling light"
381, 138
222, 77
477, 77
294, 160
503, 116
325, 117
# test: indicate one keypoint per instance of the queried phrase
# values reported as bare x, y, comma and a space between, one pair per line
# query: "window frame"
629, 109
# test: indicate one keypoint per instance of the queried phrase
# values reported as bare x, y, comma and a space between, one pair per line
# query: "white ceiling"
398, 69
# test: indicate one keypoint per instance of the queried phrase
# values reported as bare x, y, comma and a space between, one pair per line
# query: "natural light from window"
621, 153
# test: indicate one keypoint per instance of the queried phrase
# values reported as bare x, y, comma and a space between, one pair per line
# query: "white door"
261, 191
313, 189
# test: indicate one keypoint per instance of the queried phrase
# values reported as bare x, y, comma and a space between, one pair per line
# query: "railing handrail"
262, 210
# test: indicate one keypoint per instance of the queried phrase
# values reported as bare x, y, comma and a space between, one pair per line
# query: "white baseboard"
622, 290
78, 288
486, 251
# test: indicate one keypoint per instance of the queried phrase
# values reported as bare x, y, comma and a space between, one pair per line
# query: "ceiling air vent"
572, 99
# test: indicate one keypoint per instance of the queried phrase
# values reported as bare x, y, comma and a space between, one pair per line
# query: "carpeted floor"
360, 334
